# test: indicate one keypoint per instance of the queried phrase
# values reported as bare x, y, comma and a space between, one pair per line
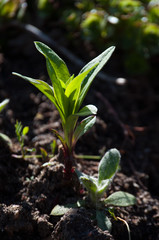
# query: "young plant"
21, 132
96, 188
67, 94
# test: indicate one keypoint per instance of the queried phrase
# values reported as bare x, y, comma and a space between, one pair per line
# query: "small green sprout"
67, 94
21, 132
96, 188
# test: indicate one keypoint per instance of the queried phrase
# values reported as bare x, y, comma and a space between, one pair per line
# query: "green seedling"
67, 94
3, 136
97, 187
44, 154
21, 132
53, 146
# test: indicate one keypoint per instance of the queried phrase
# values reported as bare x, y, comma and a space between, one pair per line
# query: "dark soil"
127, 119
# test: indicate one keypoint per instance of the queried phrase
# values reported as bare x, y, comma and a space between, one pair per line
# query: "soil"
127, 119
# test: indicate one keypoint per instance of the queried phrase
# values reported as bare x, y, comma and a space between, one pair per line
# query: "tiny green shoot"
67, 93
21, 132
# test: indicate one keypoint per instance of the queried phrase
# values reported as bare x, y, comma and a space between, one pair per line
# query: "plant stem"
127, 226
68, 163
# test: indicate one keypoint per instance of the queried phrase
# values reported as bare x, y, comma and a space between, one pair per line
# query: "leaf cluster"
96, 188
67, 92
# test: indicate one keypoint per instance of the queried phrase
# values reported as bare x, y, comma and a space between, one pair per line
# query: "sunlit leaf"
58, 88
73, 89
108, 165
83, 127
45, 88
87, 110
59, 66
102, 187
59, 137
25, 130
100, 61
89, 183
61, 210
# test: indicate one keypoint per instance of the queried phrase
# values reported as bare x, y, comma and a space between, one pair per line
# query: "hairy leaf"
103, 221
61, 210
108, 165
121, 199
102, 187
89, 183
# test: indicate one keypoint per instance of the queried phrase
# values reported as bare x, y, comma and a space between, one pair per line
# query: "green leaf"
60, 69
120, 199
108, 165
73, 89
58, 88
103, 221
102, 187
69, 128
3, 104
90, 183
100, 61
45, 88
18, 130
87, 110
6, 139
60, 138
79, 174
69, 80
61, 210
83, 127
44, 153
25, 130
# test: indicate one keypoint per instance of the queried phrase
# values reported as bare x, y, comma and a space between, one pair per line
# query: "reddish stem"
68, 162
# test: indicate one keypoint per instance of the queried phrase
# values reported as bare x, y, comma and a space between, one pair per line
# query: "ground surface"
127, 119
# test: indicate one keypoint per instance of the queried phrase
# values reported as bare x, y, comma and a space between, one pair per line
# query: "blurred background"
88, 27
